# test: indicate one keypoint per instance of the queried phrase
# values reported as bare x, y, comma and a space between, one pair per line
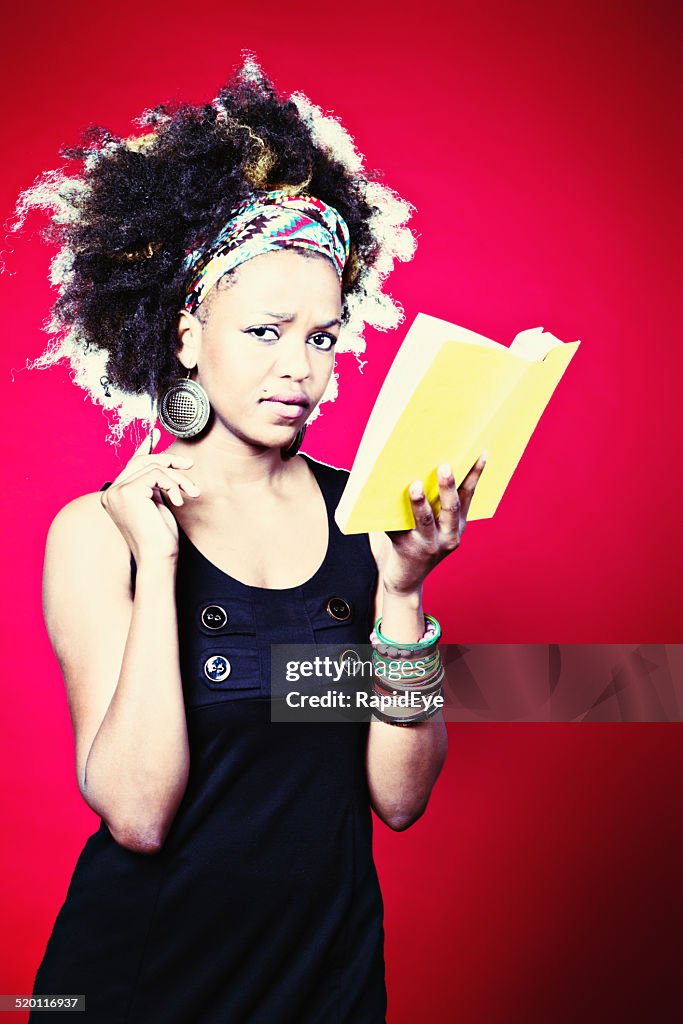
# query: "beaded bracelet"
419, 668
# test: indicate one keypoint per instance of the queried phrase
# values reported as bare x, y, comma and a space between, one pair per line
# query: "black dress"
263, 905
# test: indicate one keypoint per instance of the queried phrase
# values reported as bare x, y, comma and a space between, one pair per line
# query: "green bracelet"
396, 650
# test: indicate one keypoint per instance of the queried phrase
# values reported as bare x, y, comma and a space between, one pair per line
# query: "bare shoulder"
80, 509
86, 513
83, 536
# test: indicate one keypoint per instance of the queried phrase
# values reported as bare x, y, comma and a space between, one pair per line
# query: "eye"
253, 330
329, 341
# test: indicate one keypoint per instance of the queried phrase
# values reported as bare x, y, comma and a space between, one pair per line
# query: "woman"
213, 265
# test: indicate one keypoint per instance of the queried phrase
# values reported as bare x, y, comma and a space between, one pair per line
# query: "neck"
225, 465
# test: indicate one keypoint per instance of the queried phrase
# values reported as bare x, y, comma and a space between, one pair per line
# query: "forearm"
404, 762
136, 771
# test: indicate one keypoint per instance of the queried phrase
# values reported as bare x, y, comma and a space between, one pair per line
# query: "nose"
294, 358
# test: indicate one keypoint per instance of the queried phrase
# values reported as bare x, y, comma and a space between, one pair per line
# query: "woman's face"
270, 332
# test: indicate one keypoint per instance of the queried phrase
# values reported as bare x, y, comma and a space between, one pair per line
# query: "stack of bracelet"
409, 672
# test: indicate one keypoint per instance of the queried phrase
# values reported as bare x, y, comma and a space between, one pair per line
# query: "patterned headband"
262, 223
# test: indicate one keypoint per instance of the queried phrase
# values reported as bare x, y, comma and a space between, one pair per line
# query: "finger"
150, 473
149, 442
467, 487
449, 499
140, 463
181, 480
174, 496
422, 511
160, 481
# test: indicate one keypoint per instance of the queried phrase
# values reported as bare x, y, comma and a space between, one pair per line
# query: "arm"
403, 763
119, 659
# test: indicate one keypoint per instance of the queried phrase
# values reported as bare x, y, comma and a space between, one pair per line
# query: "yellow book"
449, 395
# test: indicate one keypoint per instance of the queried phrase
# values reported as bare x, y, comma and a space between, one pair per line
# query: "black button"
338, 609
214, 617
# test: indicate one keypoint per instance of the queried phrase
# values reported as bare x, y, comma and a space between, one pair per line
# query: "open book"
449, 395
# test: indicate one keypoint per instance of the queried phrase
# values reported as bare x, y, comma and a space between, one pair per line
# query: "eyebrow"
290, 317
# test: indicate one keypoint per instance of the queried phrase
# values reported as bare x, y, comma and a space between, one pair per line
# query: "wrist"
402, 614
156, 567
411, 596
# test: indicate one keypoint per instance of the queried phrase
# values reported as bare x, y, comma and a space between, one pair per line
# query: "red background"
539, 145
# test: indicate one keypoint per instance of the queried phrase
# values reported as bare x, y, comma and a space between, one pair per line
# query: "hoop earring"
288, 453
184, 408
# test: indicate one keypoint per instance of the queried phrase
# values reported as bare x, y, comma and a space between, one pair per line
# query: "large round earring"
287, 453
184, 408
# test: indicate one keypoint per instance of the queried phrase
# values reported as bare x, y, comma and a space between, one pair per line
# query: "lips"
290, 407
294, 399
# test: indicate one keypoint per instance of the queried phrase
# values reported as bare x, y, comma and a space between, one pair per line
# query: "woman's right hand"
134, 500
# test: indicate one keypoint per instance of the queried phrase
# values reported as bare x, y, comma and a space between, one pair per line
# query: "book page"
534, 344
418, 351
449, 394
447, 412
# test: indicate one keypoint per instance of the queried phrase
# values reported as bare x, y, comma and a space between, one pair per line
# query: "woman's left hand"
414, 553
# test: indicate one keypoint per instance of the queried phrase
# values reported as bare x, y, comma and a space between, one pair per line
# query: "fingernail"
445, 470
416, 491
484, 456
